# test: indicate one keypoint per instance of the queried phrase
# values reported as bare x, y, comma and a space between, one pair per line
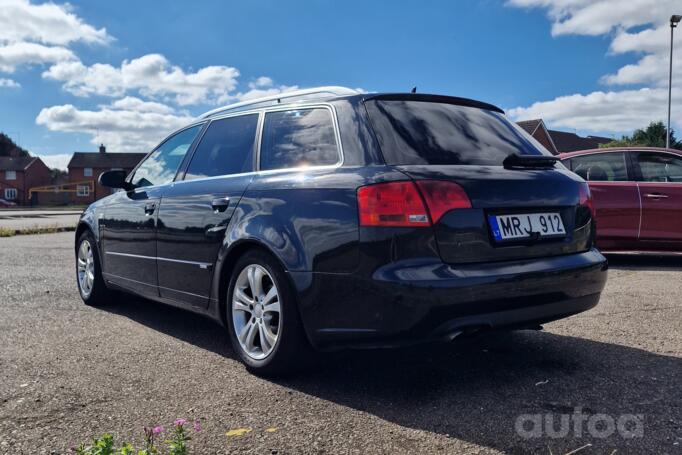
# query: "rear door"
660, 186
196, 209
615, 194
128, 222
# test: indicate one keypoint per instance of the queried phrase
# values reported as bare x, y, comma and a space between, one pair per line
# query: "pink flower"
158, 430
197, 426
180, 422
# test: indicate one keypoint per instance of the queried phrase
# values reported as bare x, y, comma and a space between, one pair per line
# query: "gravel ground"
69, 372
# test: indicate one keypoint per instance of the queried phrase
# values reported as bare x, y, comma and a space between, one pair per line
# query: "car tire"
91, 286
265, 332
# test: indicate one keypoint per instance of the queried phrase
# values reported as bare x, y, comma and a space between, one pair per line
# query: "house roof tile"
16, 163
105, 160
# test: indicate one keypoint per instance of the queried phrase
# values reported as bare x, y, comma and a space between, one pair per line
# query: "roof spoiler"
467, 102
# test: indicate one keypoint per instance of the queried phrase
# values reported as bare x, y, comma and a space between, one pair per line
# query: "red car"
637, 194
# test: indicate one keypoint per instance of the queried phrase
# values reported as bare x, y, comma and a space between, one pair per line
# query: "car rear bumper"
414, 301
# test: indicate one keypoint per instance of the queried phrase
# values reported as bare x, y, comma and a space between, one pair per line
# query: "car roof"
567, 155
334, 93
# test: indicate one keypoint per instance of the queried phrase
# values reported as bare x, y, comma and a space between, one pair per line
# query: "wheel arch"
225, 268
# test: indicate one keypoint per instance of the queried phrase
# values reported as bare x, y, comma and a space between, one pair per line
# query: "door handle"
656, 196
149, 208
220, 204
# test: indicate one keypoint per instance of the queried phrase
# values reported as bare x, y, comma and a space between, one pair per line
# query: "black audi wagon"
328, 218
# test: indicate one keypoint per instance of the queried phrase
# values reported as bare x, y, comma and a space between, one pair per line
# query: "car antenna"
414, 89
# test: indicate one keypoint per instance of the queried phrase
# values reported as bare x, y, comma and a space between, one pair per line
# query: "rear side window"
421, 132
226, 148
298, 138
660, 167
601, 167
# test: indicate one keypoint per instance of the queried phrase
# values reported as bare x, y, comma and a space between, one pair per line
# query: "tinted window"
225, 148
420, 132
601, 167
160, 167
303, 137
660, 167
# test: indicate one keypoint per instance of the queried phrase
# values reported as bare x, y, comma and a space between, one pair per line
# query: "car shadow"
184, 325
645, 262
477, 389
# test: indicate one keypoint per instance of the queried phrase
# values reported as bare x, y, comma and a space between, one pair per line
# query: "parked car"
329, 219
4, 203
637, 195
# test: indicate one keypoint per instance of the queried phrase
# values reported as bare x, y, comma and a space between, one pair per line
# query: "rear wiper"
515, 161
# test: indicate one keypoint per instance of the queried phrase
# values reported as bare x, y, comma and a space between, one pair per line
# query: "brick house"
85, 168
538, 130
18, 174
560, 141
571, 142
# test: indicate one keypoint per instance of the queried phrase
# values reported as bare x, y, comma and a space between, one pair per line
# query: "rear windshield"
420, 132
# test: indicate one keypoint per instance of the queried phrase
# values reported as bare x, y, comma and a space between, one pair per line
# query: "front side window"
83, 190
226, 148
436, 133
87, 172
660, 167
10, 175
161, 166
601, 167
10, 194
298, 138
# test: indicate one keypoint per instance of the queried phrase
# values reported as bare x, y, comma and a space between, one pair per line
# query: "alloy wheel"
256, 311
86, 268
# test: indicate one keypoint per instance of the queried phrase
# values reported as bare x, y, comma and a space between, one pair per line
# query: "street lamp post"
674, 20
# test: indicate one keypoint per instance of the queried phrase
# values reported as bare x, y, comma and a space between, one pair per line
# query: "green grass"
9, 232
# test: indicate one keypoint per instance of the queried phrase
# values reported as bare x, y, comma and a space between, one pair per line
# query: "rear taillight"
442, 197
586, 198
391, 204
404, 204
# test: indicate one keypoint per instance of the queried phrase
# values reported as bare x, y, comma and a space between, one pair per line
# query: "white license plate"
526, 225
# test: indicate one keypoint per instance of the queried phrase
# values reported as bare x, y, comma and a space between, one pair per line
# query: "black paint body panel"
356, 285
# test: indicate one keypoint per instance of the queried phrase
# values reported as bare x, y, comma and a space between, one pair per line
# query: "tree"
652, 136
9, 148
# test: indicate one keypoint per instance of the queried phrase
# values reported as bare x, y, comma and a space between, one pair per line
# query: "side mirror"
115, 179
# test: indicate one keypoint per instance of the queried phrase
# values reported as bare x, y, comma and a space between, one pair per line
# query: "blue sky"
531, 57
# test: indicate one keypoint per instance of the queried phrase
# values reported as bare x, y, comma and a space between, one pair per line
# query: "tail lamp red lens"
406, 204
586, 198
442, 197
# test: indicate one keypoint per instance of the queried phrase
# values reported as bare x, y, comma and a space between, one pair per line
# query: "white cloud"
597, 17
58, 161
617, 111
130, 126
151, 75
9, 83
38, 34
15, 54
262, 86
645, 99
47, 23
130, 103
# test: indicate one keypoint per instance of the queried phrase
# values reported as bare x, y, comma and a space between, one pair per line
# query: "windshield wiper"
515, 161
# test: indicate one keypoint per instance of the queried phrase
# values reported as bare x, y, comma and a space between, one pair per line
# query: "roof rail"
330, 91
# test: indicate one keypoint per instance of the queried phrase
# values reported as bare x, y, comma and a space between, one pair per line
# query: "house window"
10, 175
83, 190
87, 172
10, 194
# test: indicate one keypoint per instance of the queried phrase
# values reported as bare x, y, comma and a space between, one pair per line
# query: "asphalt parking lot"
69, 372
